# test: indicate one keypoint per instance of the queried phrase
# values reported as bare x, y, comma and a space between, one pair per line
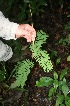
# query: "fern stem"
11, 74
31, 24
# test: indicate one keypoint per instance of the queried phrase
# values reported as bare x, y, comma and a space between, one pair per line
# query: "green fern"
22, 70
41, 56
40, 39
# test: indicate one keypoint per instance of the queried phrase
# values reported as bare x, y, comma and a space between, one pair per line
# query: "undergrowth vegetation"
22, 69
59, 90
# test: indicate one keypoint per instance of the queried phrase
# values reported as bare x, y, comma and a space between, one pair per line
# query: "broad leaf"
62, 105
65, 88
44, 81
52, 91
55, 84
59, 100
58, 60
67, 101
55, 75
68, 58
63, 73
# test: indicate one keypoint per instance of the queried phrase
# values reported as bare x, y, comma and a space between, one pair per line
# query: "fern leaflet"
22, 70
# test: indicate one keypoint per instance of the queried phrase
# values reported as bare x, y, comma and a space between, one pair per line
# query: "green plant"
22, 68
41, 56
65, 41
58, 60
7, 6
36, 5
2, 75
59, 87
53, 53
68, 58
23, 7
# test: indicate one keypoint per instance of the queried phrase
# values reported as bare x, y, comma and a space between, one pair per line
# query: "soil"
52, 21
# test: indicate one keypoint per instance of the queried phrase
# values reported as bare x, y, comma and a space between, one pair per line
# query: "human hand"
26, 31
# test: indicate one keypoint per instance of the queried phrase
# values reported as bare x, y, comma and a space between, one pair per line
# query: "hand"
26, 31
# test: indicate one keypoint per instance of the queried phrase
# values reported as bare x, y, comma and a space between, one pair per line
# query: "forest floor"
52, 21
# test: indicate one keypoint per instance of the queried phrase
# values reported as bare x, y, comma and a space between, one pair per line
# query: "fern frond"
41, 56
40, 39
41, 36
22, 70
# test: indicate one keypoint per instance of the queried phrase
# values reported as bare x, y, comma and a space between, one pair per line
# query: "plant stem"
11, 74
31, 24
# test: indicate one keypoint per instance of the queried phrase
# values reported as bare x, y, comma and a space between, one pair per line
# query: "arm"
11, 30
5, 52
7, 28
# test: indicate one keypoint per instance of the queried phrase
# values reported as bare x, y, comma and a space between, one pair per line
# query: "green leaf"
22, 71
52, 91
68, 58
2, 75
64, 80
65, 88
55, 75
60, 85
55, 84
53, 53
58, 60
63, 73
67, 101
59, 100
62, 105
44, 81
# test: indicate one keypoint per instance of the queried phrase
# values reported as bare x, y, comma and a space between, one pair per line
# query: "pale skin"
26, 31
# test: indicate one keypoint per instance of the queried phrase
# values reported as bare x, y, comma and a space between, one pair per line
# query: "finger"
25, 33
29, 28
29, 39
33, 38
